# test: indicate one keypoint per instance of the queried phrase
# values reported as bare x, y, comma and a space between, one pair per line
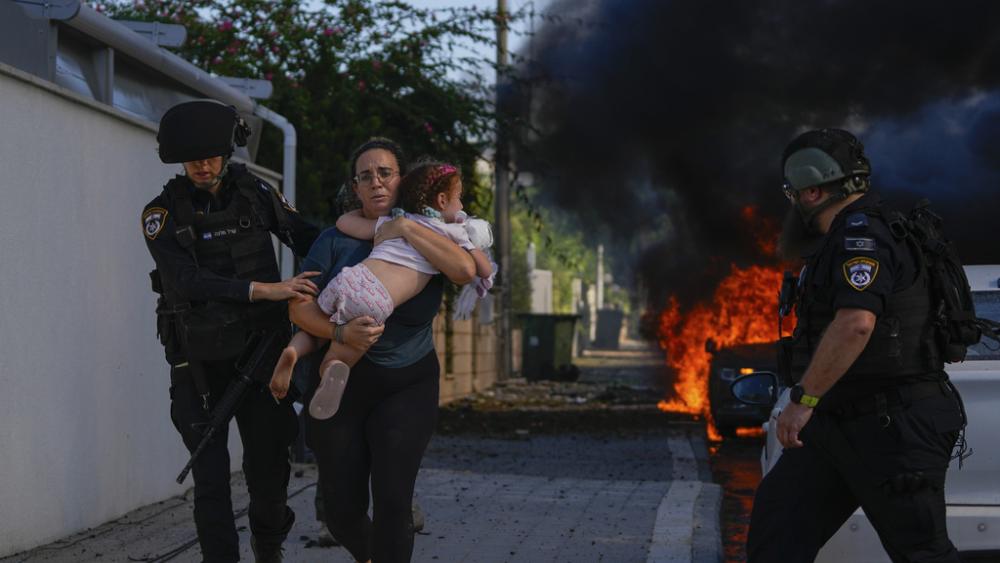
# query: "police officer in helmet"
209, 232
873, 419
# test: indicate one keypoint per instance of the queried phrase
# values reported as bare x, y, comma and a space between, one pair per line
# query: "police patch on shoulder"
860, 272
152, 221
859, 243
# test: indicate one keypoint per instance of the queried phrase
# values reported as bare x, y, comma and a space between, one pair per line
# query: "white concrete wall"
85, 432
541, 290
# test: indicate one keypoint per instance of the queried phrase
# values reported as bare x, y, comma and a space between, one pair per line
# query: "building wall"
85, 431
541, 291
473, 364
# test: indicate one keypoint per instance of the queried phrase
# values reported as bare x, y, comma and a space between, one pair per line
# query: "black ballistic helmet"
823, 156
199, 130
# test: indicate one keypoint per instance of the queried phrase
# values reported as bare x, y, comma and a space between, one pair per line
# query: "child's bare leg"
334, 371
340, 352
300, 345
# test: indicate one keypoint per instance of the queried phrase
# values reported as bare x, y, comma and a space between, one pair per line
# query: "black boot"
265, 554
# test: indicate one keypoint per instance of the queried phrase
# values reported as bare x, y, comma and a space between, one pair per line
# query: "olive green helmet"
825, 156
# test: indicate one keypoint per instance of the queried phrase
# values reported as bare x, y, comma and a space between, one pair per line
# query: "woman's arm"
307, 315
354, 224
483, 267
358, 333
452, 260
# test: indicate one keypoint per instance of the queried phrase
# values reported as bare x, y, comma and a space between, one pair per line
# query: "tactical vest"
902, 342
234, 242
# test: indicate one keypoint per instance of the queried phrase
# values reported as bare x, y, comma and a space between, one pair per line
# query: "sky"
518, 36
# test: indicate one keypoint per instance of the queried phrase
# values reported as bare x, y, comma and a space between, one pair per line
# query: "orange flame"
742, 311
752, 432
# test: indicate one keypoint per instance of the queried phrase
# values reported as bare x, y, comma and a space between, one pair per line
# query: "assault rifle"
258, 346
990, 328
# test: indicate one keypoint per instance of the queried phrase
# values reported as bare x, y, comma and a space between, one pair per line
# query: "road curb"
687, 525
707, 545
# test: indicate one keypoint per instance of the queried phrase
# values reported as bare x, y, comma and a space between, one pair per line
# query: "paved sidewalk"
470, 517
540, 494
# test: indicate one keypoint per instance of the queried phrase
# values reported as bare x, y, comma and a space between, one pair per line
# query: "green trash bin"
547, 346
609, 328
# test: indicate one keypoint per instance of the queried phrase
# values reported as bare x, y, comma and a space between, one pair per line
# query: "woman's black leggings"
385, 421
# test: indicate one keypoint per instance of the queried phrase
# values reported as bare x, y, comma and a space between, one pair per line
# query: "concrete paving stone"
528, 513
470, 517
603, 521
568, 497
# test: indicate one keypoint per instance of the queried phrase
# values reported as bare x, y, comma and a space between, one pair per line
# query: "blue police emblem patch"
859, 243
152, 221
860, 272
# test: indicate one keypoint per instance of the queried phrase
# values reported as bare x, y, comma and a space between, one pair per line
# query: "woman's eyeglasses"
383, 174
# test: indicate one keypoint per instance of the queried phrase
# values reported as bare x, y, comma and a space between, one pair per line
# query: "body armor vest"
901, 344
234, 242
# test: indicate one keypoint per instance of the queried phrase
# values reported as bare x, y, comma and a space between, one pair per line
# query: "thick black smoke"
670, 116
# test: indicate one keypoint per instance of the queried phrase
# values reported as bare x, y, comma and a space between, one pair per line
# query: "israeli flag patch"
862, 244
860, 272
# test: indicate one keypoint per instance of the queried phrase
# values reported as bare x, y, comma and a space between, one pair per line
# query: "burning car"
972, 491
728, 412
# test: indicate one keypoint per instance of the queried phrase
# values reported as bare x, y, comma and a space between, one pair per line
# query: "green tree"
343, 73
559, 247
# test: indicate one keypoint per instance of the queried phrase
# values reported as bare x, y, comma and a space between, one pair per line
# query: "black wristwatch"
798, 395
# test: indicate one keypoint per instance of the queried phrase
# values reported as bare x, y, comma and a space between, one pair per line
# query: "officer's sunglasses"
384, 174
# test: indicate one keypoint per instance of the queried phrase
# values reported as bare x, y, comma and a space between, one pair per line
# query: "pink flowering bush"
343, 73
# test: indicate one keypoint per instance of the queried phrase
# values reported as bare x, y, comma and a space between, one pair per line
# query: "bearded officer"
872, 420
209, 232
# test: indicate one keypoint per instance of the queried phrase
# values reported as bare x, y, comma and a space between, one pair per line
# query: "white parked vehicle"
972, 493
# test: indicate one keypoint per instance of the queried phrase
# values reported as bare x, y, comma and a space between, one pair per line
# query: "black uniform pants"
266, 430
892, 466
380, 433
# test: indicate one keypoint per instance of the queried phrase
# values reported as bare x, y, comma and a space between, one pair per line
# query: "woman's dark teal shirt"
408, 334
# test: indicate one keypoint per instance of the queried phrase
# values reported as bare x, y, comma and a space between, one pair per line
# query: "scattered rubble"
606, 399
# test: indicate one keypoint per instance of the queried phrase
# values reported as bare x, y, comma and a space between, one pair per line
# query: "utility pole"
600, 277
501, 201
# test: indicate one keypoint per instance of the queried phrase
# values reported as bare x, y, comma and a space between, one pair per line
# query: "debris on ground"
607, 398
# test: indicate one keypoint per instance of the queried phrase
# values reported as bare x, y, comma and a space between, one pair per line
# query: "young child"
392, 274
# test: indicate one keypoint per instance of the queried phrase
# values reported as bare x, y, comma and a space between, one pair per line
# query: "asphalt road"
736, 466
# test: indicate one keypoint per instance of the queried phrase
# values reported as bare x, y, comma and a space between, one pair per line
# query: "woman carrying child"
394, 272
389, 409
